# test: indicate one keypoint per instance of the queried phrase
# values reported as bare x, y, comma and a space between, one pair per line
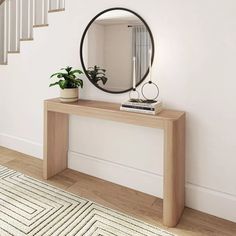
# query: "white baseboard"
21, 145
117, 173
201, 198
213, 202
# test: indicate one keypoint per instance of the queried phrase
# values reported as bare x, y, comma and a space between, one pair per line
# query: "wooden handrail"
1, 1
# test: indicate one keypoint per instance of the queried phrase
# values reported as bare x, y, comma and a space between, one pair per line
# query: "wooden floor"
137, 204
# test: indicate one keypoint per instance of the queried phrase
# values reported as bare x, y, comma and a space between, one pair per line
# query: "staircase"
17, 20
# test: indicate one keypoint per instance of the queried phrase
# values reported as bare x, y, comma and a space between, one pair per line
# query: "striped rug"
31, 207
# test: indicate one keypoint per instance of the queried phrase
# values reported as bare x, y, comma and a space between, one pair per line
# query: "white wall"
95, 40
118, 57
110, 47
195, 69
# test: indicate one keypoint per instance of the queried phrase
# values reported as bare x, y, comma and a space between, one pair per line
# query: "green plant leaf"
56, 74
71, 76
63, 84
81, 83
67, 79
60, 76
76, 72
68, 69
53, 84
100, 73
96, 74
104, 80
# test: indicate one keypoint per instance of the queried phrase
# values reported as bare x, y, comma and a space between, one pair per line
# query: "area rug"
31, 207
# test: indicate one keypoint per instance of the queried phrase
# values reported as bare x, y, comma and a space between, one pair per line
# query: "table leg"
174, 172
56, 126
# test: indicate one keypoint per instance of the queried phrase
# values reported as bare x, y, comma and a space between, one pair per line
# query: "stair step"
17, 20
56, 10
26, 20
40, 12
4, 32
56, 5
13, 52
29, 39
42, 25
14, 26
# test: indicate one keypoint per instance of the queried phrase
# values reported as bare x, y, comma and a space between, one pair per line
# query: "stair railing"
17, 20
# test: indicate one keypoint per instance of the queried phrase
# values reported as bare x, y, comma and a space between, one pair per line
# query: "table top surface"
112, 107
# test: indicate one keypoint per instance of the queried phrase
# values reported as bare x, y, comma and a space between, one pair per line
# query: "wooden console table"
56, 127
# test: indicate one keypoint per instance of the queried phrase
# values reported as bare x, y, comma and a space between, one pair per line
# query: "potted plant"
97, 74
69, 84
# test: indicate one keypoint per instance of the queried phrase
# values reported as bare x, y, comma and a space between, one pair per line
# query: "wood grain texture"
142, 206
174, 171
56, 128
111, 111
173, 123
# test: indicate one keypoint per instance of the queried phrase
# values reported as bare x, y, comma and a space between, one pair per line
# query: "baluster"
14, 26
26, 10
40, 13
4, 31
56, 5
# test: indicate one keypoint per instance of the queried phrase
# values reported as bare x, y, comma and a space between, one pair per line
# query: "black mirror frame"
82, 43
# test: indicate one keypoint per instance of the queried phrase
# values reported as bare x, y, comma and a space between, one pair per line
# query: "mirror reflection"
117, 51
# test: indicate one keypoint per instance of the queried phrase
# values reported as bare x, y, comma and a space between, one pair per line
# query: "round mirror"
117, 49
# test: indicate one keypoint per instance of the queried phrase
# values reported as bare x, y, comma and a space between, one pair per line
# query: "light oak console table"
56, 128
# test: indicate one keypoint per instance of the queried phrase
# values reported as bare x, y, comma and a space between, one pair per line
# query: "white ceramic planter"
69, 95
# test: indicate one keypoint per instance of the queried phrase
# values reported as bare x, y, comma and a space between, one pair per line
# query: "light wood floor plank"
134, 203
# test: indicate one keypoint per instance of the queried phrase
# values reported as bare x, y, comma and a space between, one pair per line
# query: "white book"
142, 104
137, 110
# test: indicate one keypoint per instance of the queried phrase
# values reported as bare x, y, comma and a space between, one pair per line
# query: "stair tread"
30, 39
13, 52
56, 10
42, 25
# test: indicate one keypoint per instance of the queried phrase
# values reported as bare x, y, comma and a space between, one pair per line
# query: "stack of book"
142, 106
